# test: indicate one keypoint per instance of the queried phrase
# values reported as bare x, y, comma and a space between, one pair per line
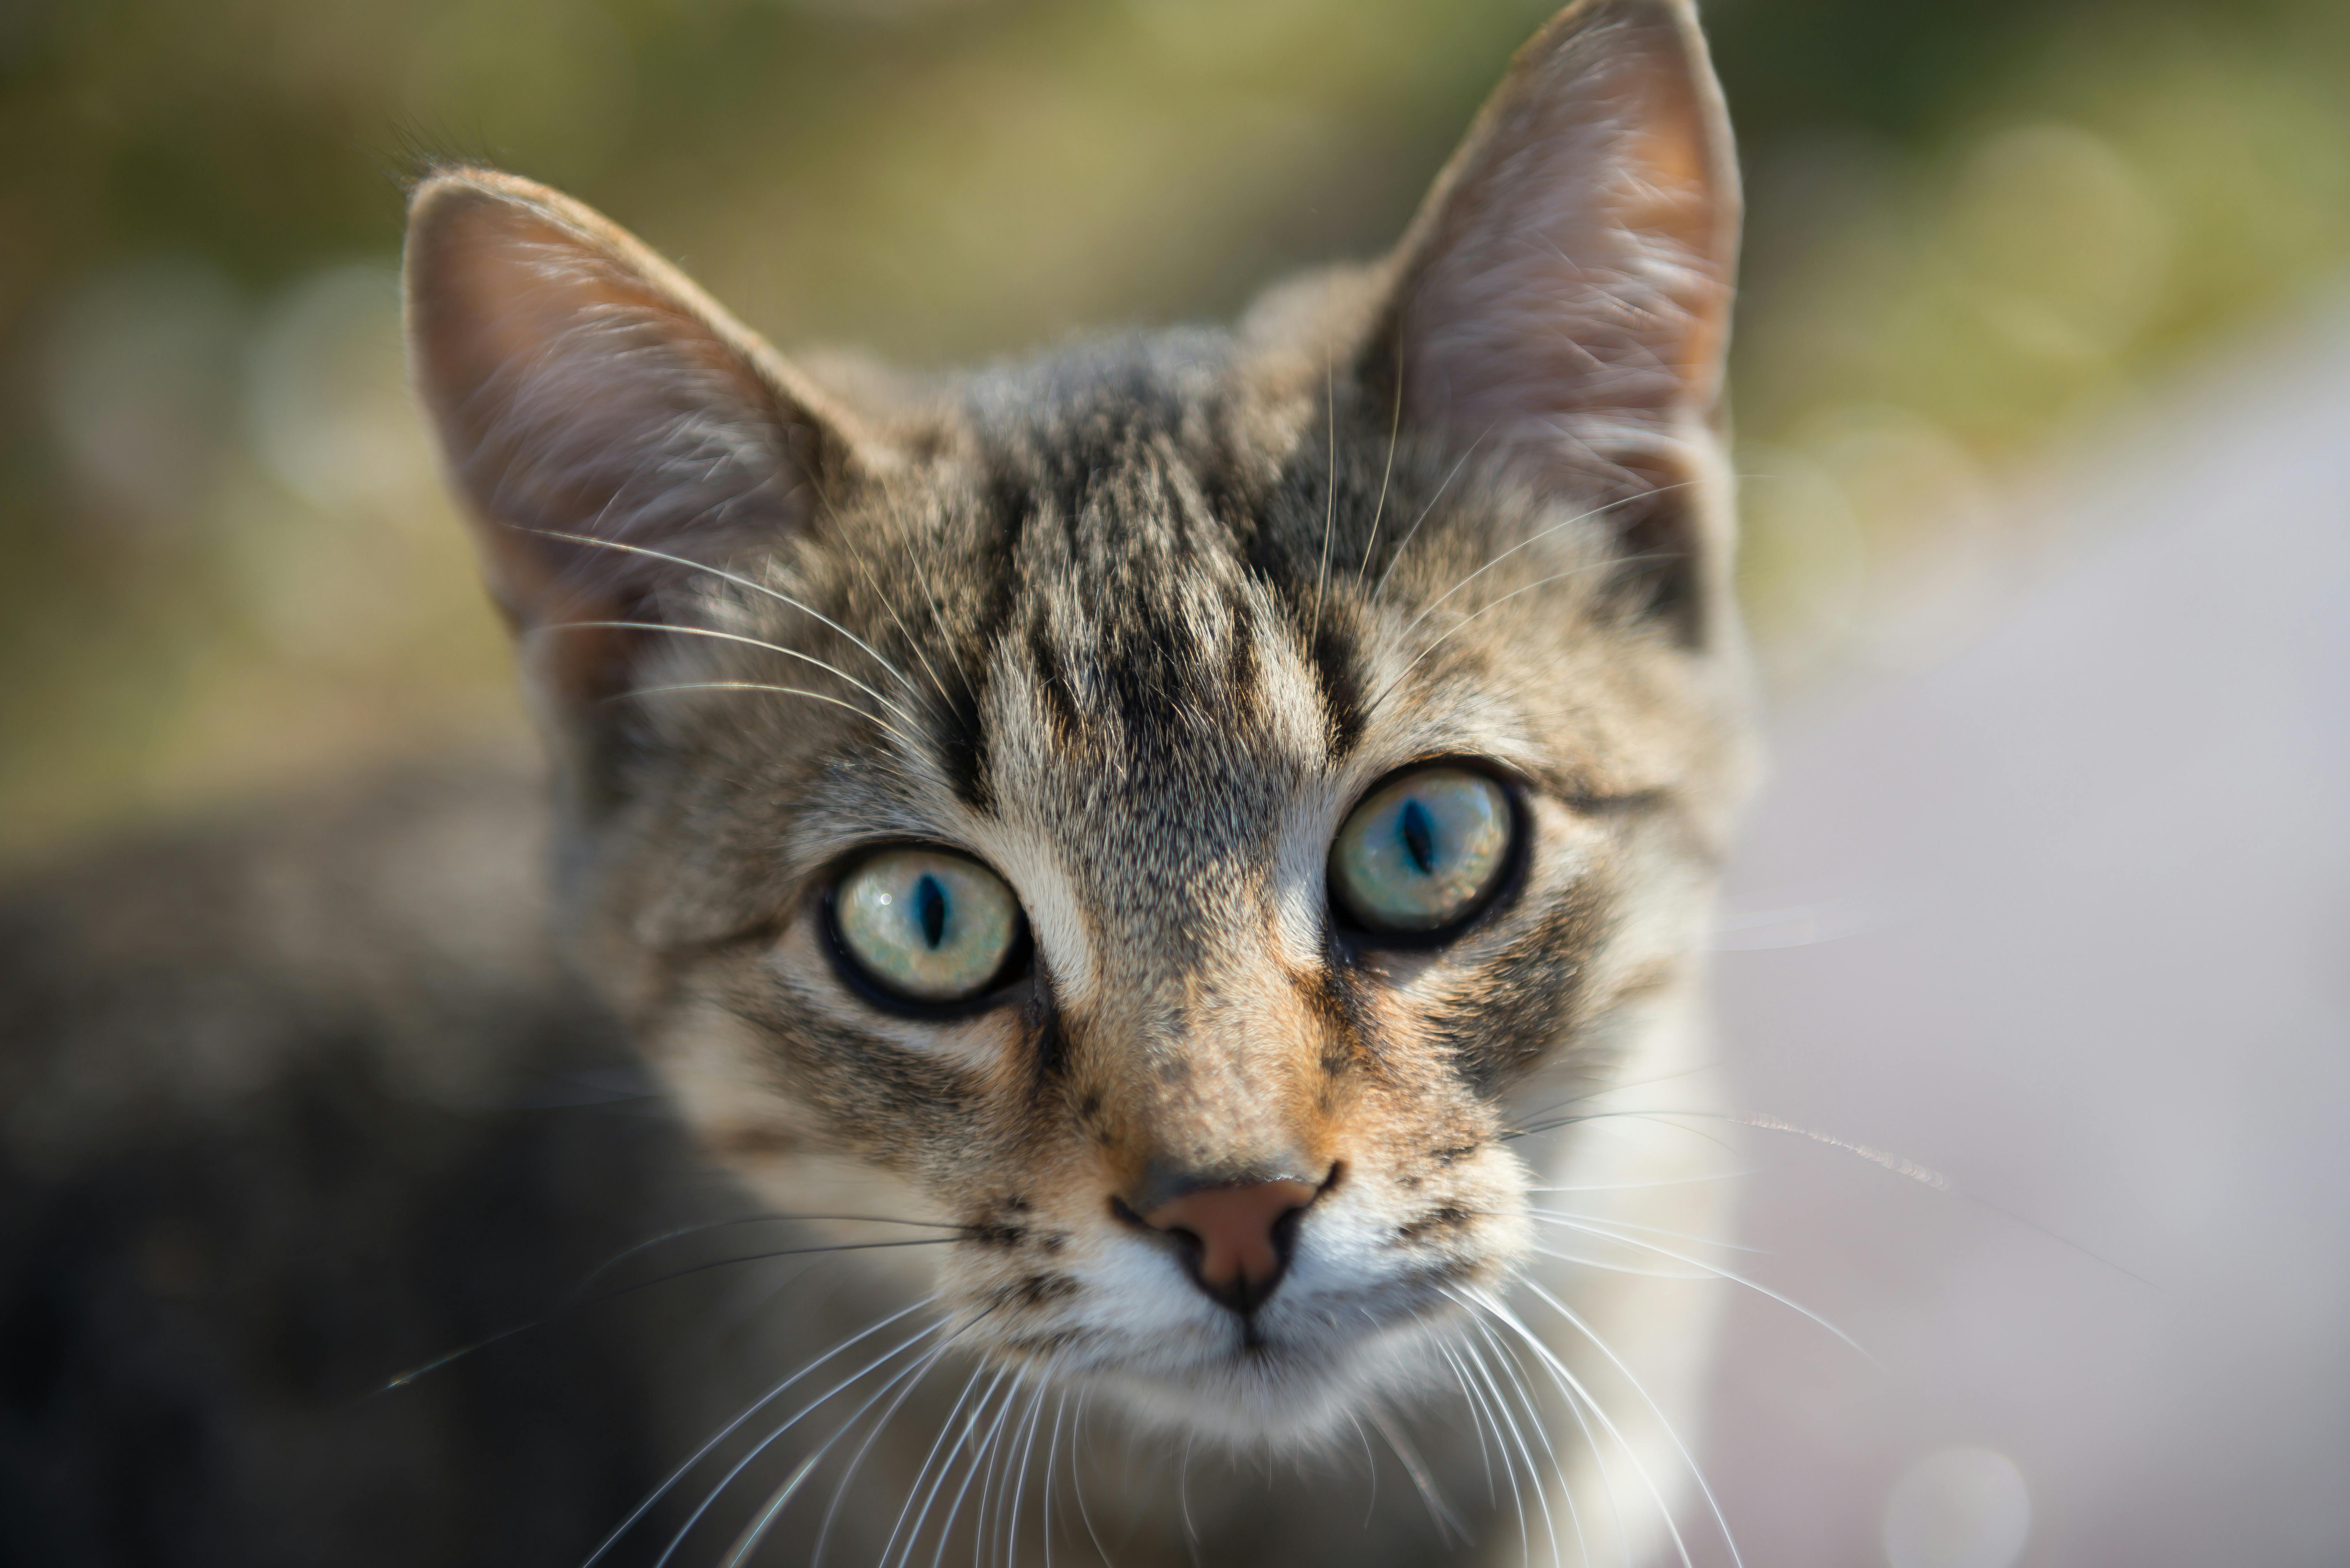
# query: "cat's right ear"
598, 415
1561, 301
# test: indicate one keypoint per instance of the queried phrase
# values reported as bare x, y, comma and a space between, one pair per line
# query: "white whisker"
737, 579
1413, 531
840, 1490
1568, 1217
1077, 1478
1467, 619
890, 608
995, 1454
1447, 1522
733, 636
1574, 1385
1395, 428
1475, 1362
1644, 1185
1717, 1271
748, 1411
764, 1444
1697, 1473
933, 1457
1529, 542
1526, 1451
782, 690
984, 1454
748, 1541
1630, 1271
1330, 497
1027, 1444
1476, 1425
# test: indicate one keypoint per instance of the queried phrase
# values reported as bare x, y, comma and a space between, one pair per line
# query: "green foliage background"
1974, 227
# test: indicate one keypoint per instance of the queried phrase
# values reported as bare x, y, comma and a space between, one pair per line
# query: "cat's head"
1155, 806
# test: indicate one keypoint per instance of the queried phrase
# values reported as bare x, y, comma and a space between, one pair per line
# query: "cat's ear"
1562, 298
597, 414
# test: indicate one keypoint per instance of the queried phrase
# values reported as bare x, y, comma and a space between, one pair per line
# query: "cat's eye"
927, 925
1424, 852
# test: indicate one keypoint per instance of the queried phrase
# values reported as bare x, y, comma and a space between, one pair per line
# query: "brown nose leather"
1238, 1234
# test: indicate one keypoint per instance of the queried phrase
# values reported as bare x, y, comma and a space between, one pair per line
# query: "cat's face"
1156, 809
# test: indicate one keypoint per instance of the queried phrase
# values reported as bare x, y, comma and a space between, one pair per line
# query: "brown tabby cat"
1185, 835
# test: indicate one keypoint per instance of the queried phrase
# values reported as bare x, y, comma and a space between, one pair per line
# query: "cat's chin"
1284, 1396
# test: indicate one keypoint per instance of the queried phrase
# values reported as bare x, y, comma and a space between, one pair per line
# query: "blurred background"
1977, 225
2033, 287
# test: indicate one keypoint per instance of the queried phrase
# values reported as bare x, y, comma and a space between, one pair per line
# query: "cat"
1165, 856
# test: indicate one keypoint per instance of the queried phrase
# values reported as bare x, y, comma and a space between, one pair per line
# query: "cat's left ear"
599, 415
1561, 301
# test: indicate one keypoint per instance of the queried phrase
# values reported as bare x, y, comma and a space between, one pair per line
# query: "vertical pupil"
1418, 830
930, 909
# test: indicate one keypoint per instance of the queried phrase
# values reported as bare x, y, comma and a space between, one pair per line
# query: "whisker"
1052, 1457
1591, 1443
1600, 1092
733, 636
1466, 621
780, 690
970, 1425
1533, 1408
947, 1425
1924, 1175
1413, 531
748, 1541
1719, 1273
1697, 1472
1560, 1371
1395, 428
1632, 1271
1330, 496
985, 1452
848, 1474
578, 1303
737, 579
740, 1219
1526, 1451
1476, 1425
764, 1444
1473, 1370
1027, 1454
910, 1378
1447, 1523
1554, 1216
993, 1453
1537, 537
1644, 1186
748, 1411
1371, 1469
1077, 1476
1000, 1463
889, 606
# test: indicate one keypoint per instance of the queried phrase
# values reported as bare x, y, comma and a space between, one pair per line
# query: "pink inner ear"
1569, 281
580, 389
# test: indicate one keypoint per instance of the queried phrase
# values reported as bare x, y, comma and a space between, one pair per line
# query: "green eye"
926, 925
1422, 852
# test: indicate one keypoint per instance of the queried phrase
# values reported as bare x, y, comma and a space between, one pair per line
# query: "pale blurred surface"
2065, 918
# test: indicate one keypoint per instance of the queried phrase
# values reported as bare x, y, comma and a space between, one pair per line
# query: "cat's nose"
1236, 1238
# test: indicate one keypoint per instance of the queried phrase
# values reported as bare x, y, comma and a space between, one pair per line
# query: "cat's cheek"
719, 1068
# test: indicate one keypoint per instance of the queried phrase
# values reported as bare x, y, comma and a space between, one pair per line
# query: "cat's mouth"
1291, 1374
1282, 1385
